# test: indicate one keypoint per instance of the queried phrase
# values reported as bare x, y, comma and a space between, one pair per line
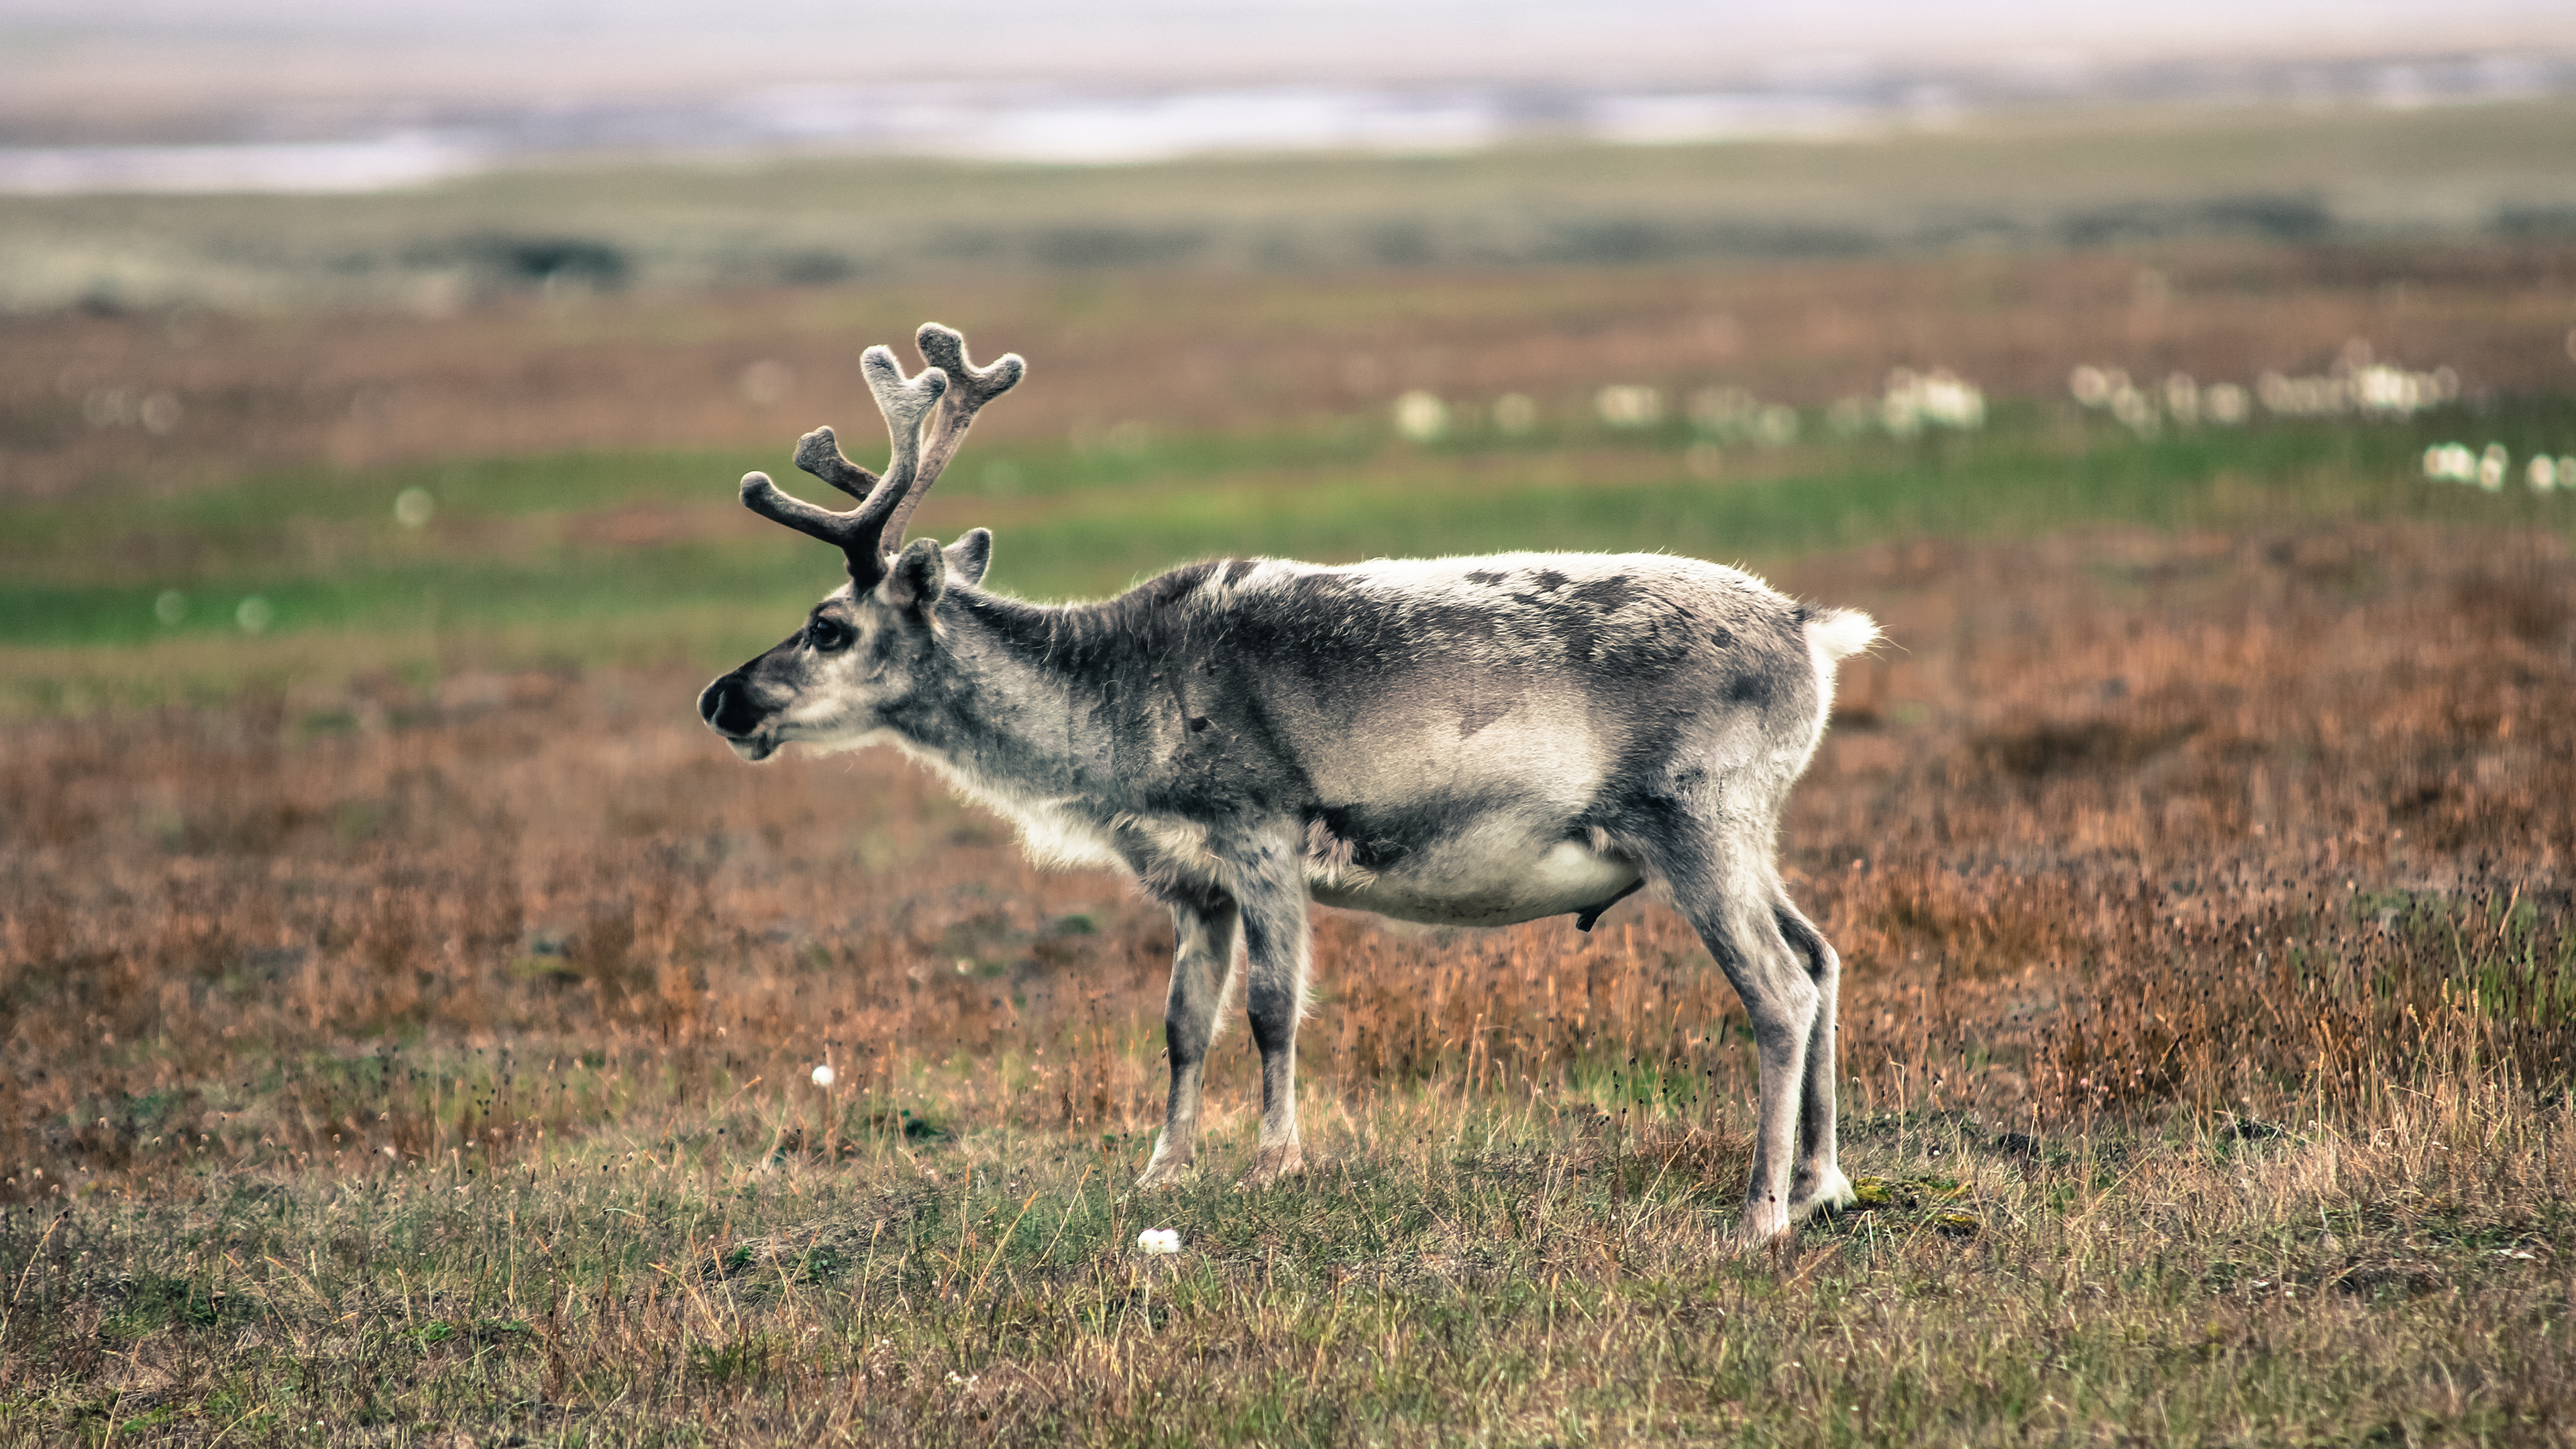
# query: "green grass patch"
593, 558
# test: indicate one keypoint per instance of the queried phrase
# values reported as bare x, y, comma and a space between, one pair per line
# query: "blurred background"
1314, 277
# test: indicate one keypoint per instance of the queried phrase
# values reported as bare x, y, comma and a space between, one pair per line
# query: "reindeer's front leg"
1271, 889
1204, 931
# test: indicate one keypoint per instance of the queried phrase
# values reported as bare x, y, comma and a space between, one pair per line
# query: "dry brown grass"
2244, 824
389, 1065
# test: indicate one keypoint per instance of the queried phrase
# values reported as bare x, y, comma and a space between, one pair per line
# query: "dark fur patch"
1608, 595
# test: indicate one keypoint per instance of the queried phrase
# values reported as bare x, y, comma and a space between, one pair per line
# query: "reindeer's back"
1534, 676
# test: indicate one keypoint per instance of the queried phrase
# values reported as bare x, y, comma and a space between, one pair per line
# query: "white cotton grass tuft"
1421, 417
1155, 1242
1914, 400
1728, 414
1629, 405
2357, 383
2493, 464
824, 1076
2451, 463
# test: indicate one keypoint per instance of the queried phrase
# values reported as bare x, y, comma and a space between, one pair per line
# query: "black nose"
726, 706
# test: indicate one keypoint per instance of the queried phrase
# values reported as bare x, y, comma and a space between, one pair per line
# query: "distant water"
383, 163
1102, 127
1026, 125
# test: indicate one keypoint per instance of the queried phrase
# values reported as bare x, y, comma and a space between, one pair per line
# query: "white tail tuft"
1841, 633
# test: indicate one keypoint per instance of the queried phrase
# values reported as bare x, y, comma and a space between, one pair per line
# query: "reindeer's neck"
1027, 705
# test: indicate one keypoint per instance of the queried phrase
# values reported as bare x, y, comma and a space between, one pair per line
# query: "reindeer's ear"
918, 575
968, 557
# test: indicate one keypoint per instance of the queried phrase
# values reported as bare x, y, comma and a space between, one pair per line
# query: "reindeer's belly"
1482, 880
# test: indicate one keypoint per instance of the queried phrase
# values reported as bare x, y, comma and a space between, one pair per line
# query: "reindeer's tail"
1838, 634
1834, 635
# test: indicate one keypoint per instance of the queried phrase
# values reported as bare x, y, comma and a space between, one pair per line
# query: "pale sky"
98, 64
1169, 41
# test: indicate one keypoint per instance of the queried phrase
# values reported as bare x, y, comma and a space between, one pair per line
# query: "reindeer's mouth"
727, 707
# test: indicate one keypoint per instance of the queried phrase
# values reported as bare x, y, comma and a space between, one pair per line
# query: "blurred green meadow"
209, 406
593, 558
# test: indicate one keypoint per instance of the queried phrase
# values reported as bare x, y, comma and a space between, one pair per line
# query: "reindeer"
1460, 741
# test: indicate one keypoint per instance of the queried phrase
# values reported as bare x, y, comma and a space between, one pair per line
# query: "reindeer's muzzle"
728, 709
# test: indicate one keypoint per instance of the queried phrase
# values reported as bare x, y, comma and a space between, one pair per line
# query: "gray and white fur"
1464, 742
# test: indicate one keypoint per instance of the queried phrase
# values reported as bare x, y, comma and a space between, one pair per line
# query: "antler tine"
902, 399
819, 453
970, 387
764, 498
905, 401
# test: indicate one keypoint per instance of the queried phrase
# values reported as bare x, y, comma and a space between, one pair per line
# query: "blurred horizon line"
400, 142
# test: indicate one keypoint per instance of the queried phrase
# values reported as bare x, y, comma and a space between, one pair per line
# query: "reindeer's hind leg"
1818, 1180
1204, 929
1726, 889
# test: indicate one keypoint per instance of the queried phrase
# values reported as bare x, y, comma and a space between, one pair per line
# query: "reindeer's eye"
826, 634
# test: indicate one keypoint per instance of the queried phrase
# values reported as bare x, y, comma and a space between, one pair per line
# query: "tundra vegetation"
411, 1014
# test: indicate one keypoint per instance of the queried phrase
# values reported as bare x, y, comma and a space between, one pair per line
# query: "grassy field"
408, 1013
440, 1064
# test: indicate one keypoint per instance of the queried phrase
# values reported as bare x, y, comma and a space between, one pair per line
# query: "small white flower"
1154, 1242
824, 1076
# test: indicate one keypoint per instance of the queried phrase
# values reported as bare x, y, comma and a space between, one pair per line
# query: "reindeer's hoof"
1165, 1173
1273, 1164
1829, 1193
1763, 1222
